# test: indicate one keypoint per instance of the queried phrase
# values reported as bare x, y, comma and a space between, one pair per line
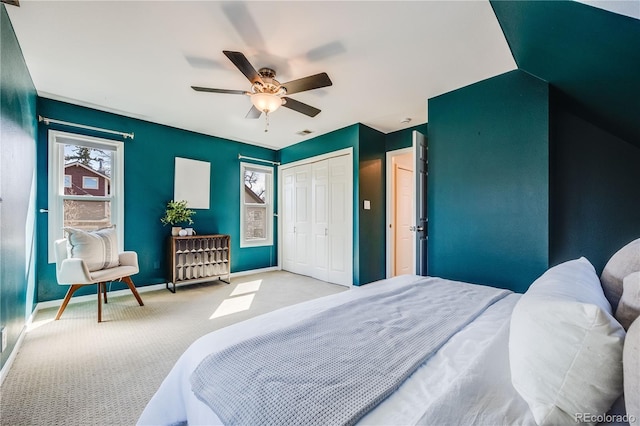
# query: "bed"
495, 365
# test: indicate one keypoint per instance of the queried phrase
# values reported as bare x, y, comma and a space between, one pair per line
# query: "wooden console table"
199, 258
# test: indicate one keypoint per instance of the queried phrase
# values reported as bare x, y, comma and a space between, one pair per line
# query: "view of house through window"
256, 199
89, 171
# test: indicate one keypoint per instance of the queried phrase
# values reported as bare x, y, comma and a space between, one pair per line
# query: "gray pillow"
629, 306
622, 263
631, 367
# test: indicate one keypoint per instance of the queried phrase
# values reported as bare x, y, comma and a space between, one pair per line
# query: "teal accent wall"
590, 55
371, 187
489, 182
595, 193
403, 138
149, 177
17, 187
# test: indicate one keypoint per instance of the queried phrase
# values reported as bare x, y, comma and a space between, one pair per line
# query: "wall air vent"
305, 132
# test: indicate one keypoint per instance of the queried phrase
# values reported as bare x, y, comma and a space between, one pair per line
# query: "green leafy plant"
177, 212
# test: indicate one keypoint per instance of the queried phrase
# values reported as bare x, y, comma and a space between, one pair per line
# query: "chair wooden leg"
132, 287
100, 302
72, 289
104, 292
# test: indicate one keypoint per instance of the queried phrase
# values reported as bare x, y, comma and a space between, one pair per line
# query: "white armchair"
74, 272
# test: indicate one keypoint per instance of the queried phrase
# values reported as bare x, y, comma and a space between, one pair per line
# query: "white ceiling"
630, 8
139, 59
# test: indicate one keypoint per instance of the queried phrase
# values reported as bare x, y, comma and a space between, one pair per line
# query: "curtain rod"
275, 163
82, 126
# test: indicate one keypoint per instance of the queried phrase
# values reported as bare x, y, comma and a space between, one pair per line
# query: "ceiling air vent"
305, 132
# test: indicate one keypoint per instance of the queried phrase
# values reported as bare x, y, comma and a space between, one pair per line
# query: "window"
73, 199
89, 182
256, 205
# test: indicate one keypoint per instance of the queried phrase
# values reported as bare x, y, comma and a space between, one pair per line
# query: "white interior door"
302, 213
296, 219
288, 219
401, 195
320, 220
317, 217
403, 205
341, 220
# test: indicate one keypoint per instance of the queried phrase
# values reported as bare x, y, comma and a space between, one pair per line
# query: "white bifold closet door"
318, 220
297, 252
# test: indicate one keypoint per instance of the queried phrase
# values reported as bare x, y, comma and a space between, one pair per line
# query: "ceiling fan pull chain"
266, 126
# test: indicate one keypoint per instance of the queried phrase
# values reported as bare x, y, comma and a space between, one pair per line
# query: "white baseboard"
14, 353
142, 289
254, 271
88, 297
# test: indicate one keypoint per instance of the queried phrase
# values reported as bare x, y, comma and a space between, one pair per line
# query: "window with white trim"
71, 156
256, 205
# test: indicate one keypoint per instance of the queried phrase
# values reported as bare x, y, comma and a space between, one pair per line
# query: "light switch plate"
367, 205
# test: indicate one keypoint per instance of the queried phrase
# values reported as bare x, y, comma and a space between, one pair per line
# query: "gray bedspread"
335, 366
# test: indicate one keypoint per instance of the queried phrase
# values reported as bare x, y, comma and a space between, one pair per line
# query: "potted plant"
177, 213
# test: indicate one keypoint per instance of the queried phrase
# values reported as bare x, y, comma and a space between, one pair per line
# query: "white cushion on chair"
128, 266
73, 271
113, 273
98, 249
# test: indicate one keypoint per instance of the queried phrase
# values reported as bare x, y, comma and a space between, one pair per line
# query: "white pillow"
623, 262
565, 347
631, 361
98, 249
629, 305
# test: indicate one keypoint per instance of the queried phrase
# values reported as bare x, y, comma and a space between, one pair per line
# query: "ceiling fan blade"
238, 14
230, 92
300, 107
325, 51
243, 64
253, 113
307, 83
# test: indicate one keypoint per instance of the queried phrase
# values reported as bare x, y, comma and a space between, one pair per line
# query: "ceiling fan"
268, 94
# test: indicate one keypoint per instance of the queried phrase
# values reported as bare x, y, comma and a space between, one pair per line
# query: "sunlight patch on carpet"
37, 324
233, 306
248, 287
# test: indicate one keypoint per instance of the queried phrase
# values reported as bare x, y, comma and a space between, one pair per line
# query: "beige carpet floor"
77, 372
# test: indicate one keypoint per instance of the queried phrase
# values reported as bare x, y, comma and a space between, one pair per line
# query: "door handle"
419, 228
412, 228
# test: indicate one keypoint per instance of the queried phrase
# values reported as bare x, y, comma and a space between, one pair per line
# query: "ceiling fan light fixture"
266, 102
